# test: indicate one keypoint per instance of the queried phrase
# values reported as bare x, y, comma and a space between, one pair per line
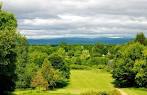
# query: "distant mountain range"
75, 40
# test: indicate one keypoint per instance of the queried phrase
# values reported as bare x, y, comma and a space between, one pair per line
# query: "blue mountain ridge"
74, 40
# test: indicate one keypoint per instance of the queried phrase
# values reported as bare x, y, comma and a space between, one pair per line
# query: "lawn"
81, 81
84, 81
136, 91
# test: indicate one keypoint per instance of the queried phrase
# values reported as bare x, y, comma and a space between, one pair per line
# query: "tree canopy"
8, 53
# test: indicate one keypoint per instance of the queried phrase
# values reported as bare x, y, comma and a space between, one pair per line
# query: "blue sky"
39, 19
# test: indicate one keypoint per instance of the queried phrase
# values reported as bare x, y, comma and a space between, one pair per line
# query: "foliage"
140, 37
98, 60
79, 67
22, 61
39, 81
130, 66
7, 60
61, 57
50, 74
59, 64
30, 71
7, 21
37, 57
8, 53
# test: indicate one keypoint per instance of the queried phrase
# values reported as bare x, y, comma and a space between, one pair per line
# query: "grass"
81, 81
136, 91
84, 81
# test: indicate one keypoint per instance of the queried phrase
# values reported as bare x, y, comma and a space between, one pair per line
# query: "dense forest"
47, 67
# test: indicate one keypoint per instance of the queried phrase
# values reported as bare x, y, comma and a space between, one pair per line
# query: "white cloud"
84, 18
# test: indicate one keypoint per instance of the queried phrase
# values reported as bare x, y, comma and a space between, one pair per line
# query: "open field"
84, 81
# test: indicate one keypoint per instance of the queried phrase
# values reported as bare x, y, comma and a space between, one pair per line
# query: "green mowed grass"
136, 91
85, 81
81, 81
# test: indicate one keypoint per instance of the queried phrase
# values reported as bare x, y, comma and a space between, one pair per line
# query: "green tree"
22, 61
140, 67
7, 21
124, 71
140, 37
8, 53
50, 74
7, 60
37, 57
39, 81
30, 71
58, 63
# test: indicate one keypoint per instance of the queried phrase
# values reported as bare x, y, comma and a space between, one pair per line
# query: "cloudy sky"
79, 18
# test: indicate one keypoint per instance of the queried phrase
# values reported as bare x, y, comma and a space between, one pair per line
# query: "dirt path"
122, 92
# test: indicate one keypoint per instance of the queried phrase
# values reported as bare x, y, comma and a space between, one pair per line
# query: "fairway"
81, 81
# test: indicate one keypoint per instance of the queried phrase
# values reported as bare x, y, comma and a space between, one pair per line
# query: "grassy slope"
81, 81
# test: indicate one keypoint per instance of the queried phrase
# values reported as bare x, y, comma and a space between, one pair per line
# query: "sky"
42, 19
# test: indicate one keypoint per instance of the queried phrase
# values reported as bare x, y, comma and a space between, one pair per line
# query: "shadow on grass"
8, 93
141, 89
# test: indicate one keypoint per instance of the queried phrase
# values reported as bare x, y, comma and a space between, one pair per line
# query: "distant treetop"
140, 37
